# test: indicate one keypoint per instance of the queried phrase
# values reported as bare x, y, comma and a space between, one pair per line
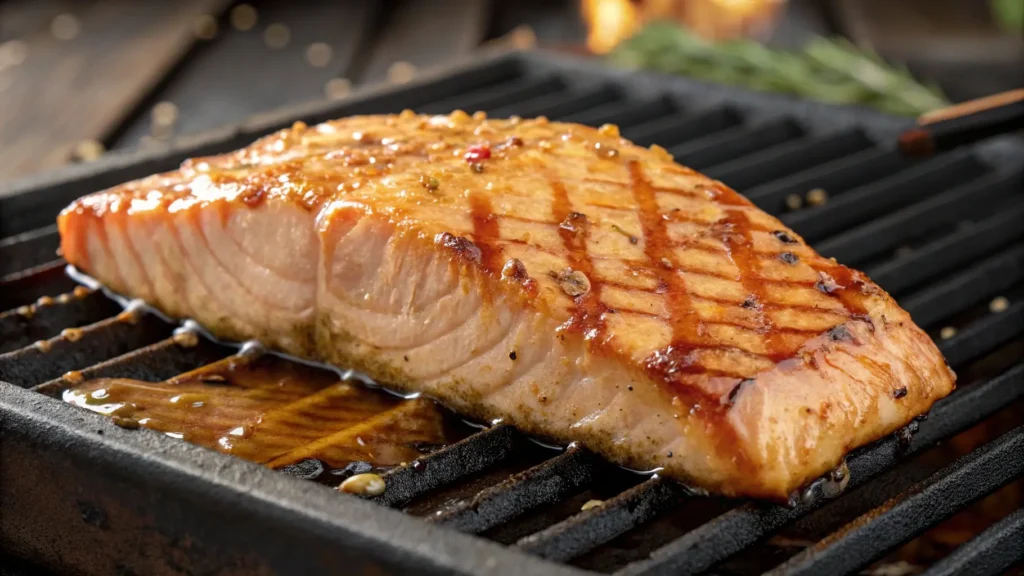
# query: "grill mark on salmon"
635, 294
737, 245
485, 231
686, 327
574, 230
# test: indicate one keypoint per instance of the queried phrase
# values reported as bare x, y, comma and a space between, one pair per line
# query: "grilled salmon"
551, 275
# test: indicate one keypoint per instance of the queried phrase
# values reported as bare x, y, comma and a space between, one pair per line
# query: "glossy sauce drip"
847, 287
276, 412
485, 232
574, 229
677, 358
735, 235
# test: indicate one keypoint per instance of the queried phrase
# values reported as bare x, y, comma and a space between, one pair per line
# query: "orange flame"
609, 22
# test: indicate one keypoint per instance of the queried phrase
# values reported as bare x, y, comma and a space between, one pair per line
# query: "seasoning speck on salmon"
364, 251
573, 282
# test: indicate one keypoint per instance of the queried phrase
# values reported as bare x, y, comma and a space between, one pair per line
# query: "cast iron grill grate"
942, 234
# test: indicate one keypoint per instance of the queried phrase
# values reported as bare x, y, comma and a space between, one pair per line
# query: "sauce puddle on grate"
306, 420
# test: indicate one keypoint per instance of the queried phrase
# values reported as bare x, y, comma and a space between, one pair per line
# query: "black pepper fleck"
826, 284
900, 392
669, 454
406, 358
784, 237
731, 399
866, 318
789, 258
630, 388
750, 302
839, 333
512, 355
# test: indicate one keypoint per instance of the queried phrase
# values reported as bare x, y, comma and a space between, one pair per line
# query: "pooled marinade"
276, 412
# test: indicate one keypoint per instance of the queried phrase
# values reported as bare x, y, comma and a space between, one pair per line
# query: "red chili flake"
476, 154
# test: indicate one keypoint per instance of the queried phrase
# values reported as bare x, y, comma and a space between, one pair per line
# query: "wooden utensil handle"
971, 107
965, 123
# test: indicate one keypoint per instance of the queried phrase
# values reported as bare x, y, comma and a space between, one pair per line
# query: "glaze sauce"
574, 230
276, 412
686, 325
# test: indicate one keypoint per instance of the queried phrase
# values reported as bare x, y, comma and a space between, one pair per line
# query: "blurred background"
80, 78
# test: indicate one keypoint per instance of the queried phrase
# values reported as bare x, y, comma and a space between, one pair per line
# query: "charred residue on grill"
905, 436
264, 408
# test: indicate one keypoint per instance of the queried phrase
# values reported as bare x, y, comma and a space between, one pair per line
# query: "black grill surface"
944, 235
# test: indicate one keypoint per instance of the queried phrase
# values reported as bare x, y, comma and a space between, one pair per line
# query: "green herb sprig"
833, 71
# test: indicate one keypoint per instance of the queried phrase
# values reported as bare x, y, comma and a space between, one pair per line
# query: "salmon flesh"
554, 276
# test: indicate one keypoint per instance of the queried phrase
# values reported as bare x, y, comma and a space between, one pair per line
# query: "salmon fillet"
554, 276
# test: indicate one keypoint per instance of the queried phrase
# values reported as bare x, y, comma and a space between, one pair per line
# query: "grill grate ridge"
545, 483
77, 348
835, 176
943, 209
900, 189
940, 496
589, 529
48, 316
712, 141
984, 280
449, 464
779, 161
672, 132
992, 552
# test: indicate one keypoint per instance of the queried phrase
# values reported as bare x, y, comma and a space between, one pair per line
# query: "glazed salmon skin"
554, 276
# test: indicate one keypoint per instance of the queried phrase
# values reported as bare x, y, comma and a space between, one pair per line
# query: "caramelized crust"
734, 324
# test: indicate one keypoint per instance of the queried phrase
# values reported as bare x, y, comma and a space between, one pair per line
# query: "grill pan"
942, 234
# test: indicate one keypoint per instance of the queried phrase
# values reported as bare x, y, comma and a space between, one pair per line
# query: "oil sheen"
272, 411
